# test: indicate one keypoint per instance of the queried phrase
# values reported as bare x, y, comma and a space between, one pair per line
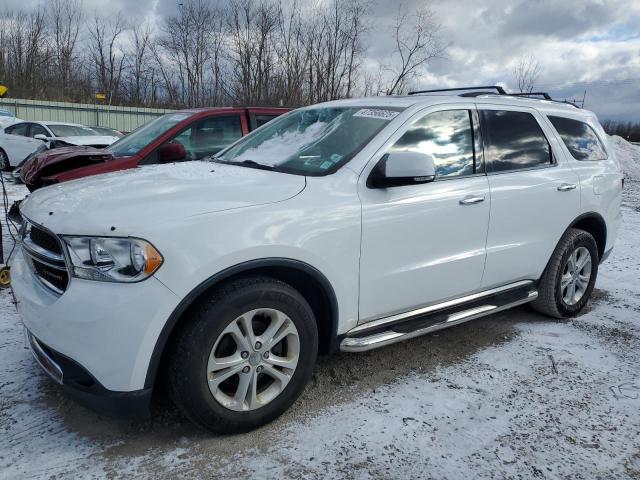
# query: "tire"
555, 296
205, 337
5, 166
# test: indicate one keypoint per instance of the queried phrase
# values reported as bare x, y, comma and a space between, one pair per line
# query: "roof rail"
498, 88
544, 95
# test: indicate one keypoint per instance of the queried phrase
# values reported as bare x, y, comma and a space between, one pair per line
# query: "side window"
37, 130
580, 139
513, 141
212, 134
17, 129
447, 136
259, 120
204, 138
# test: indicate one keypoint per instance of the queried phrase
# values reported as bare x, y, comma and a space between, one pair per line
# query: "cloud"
579, 44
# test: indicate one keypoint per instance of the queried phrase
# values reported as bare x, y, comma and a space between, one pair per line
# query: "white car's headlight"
111, 259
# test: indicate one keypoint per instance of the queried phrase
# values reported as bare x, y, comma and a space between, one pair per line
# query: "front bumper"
80, 385
108, 330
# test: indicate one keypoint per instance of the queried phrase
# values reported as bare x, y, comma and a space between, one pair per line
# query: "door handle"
471, 200
565, 187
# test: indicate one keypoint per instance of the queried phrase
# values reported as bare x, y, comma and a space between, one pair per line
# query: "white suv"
347, 225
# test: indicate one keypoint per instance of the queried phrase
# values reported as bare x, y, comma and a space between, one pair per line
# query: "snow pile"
628, 155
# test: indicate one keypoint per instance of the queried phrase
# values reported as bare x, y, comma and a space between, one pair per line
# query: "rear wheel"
244, 356
569, 278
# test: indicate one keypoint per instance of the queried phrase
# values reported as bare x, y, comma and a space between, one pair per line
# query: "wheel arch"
312, 284
593, 223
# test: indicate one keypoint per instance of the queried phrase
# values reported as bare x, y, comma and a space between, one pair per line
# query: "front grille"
45, 257
44, 239
54, 276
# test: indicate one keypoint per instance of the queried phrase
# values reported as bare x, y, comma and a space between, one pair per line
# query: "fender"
601, 242
251, 265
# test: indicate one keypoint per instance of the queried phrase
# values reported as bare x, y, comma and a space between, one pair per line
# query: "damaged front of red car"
60, 164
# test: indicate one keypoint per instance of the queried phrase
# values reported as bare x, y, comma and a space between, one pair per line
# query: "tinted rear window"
580, 139
513, 141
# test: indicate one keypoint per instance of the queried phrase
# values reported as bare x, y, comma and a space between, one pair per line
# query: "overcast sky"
580, 44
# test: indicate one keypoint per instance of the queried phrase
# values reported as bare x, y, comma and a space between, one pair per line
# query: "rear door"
535, 193
425, 243
600, 176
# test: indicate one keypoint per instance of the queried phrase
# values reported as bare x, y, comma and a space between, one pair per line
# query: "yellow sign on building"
3, 90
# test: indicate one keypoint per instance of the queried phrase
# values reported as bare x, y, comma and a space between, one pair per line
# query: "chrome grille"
44, 255
44, 239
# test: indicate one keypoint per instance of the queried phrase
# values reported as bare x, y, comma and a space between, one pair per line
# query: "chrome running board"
437, 317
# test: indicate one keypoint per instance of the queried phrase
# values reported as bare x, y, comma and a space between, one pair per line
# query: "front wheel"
569, 278
244, 356
4, 161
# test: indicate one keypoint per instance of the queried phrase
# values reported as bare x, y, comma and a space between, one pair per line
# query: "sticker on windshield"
376, 113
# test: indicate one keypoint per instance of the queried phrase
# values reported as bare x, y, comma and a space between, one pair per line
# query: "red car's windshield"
138, 139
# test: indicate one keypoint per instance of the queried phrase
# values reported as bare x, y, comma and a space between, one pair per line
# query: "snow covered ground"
514, 395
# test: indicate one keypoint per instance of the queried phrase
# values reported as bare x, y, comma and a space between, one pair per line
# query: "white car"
19, 140
347, 225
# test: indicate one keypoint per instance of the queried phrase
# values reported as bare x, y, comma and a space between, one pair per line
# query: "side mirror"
42, 137
402, 168
171, 152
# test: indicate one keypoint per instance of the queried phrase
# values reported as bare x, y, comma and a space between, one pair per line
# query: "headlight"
110, 259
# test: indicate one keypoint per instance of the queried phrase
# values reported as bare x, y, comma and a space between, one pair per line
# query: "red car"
174, 137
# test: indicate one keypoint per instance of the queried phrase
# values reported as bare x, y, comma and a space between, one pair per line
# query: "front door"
425, 243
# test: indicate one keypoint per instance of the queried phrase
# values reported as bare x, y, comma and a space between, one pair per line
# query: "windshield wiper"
248, 163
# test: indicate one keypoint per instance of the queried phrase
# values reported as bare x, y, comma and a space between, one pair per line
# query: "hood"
49, 162
154, 194
89, 140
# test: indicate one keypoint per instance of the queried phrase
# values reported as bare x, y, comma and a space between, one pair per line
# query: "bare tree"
107, 59
189, 56
140, 72
526, 73
292, 54
417, 42
334, 41
252, 29
26, 51
65, 18
374, 83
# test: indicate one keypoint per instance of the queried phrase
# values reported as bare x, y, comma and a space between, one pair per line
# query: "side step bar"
362, 338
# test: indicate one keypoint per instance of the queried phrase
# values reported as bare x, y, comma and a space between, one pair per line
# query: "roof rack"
544, 95
500, 91
498, 88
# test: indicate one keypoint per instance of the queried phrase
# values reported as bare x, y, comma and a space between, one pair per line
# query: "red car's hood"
51, 162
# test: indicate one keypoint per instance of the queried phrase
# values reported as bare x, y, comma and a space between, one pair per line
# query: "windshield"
71, 130
107, 131
143, 136
312, 141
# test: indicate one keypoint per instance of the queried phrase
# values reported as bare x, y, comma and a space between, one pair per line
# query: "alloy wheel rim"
253, 359
576, 275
